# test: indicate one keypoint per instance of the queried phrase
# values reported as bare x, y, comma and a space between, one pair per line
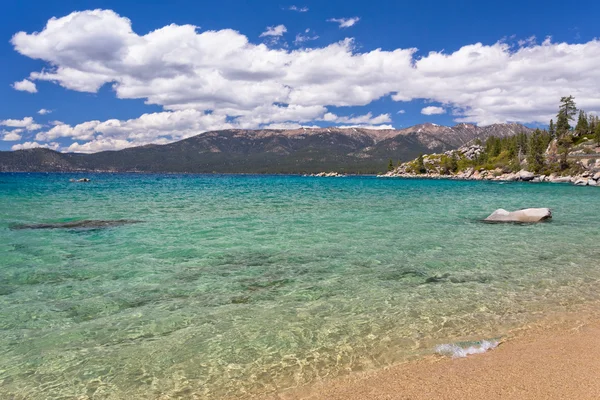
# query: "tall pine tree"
566, 113
582, 127
536, 151
552, 129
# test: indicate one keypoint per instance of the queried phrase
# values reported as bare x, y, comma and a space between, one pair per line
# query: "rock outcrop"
438, 165
528, 215
328, 175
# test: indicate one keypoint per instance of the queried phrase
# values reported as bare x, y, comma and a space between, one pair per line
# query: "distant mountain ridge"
304, 150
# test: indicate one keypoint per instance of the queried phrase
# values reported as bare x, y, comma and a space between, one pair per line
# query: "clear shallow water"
239, 285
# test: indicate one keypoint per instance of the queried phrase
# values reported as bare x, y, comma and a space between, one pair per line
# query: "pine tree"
551, 129
421, 165
535, 151
566, 113
597, 134
391, 165
582, 124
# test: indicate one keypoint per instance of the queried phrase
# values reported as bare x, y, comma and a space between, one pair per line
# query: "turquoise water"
239, 285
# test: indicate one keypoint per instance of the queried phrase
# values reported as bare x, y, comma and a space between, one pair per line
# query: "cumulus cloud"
229, 81
298, 9
278, 30
432, 110
114, 134
25, 86
344, 22
34, 145
11, 136
27, 123
401, 112
43, 111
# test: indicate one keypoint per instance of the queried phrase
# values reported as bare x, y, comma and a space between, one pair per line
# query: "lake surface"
239, 285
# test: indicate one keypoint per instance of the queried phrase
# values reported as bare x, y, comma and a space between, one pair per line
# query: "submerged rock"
526, 215
84, 224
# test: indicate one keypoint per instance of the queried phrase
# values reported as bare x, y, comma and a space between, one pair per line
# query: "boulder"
526, 175
528, 215
581, 182
596, 176
510, 177
592, 182
560, 179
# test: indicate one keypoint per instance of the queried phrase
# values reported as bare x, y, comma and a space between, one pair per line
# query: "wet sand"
558, 359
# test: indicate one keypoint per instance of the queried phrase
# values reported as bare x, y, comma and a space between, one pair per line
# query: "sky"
86, 76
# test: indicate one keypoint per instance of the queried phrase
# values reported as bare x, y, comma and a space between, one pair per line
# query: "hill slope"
350, 150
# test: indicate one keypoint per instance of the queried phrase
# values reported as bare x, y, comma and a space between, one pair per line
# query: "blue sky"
507, 69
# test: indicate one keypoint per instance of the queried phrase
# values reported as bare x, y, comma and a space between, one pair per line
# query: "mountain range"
304, 150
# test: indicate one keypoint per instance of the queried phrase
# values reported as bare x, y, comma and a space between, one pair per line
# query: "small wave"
455, 351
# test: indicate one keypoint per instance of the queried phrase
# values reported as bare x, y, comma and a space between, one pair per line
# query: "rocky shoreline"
327, 175
588, 172
586, 178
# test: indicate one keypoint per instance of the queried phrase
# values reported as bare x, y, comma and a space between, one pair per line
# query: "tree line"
544, 150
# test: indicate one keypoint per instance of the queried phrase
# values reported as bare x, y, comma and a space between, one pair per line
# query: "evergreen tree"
536, 151
597, 134
581, 129
551, 129
421, 165
566, 113
391, 165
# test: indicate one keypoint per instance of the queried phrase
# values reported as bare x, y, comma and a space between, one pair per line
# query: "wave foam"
455, 351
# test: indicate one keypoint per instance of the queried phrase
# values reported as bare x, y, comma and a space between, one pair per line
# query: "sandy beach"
552, 359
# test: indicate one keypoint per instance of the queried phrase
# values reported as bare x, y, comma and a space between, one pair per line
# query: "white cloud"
25, 86
378, 127
101, 144
306, 37
432, 110
116, 134
278, 30
27, 123
225, 80
43, 111
366, 119
11, 136
402, 112
345, 22
298, 9
34, 145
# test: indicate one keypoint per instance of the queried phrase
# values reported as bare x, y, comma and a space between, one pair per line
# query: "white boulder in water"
526, 215
526, 176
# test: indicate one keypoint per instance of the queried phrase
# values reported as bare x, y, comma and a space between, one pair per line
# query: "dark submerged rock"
84, 224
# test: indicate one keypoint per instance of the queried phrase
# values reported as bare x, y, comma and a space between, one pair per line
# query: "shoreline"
589, 178
555, 357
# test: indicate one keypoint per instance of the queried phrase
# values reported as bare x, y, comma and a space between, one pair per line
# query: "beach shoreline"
556, 357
